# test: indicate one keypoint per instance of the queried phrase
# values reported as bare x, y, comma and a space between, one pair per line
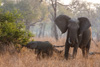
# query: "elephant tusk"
69, 41
76, 40
80, 34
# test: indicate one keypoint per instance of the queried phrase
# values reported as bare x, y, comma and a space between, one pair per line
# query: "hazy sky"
65, 2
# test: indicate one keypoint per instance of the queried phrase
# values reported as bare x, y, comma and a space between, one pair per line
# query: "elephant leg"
87, 48
42, 54
66, 50
36, 51
46, 53
75, 51
83, 52
50, 53
38, 54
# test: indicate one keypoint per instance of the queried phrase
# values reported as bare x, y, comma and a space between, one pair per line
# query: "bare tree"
52, 18
97, 25
42, 29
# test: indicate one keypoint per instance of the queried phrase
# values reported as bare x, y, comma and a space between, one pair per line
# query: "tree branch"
32, 24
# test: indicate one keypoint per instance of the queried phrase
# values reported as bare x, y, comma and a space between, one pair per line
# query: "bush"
11, 31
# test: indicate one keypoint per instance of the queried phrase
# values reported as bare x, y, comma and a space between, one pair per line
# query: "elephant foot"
66, 58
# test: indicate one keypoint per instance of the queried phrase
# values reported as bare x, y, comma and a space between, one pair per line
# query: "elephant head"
32, 45
75, 27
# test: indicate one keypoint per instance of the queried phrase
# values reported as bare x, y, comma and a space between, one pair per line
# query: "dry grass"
27, 58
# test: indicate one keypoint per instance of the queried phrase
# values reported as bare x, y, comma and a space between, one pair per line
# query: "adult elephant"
79, 34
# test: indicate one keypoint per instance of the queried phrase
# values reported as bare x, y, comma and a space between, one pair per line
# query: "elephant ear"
84, 24
62, 22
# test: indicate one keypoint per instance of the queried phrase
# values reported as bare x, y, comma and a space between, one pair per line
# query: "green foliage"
10, 16
31, 10
11, 31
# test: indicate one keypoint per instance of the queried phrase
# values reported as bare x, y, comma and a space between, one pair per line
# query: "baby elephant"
41, 48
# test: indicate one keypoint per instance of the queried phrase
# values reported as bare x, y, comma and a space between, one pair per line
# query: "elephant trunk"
72, 36
72, 40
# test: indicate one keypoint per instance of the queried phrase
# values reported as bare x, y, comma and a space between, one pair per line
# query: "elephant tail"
94, 42
58, 46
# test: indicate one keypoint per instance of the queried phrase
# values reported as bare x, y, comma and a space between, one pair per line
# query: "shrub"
10, 31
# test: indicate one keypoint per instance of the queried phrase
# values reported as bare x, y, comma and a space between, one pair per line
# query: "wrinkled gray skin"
43, 48
79, 34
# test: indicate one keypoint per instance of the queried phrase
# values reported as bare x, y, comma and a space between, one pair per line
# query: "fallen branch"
94, 42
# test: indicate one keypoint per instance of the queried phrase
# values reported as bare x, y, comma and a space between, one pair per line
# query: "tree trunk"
27, 25
54, 31
98, 34
42, 30
98, 37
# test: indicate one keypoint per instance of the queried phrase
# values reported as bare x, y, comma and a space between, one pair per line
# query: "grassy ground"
27, 58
